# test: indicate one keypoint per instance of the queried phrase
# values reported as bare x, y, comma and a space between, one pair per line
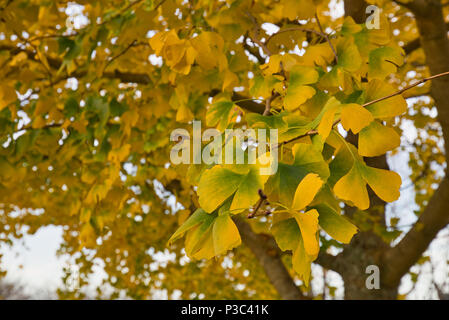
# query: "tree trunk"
268, 254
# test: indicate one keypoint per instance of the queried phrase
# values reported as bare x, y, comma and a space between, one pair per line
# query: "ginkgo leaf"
352, 188
219, 183
288, 236
384, 61
7, 95
283, 184
247, 193
209, 47
199, 242
184, 114
274, 64
308, 157
298, 9
263, 86
298, 92
87, 236
225, 234
308, 224
354, 117
208, 235
184, 65
216, 185
230, 80
348, 54
177, 53
336, 225
196, 218
387, 108
385, 183
320, 54
306, 191
349, 26
286, 233
331, 107
275, 121
296, 126
302, 262
221, 113
376, 139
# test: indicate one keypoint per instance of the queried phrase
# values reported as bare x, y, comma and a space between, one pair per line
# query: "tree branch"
330, 262
399, 259
326, 37
267, 252
406, 88
415, 44
435, 43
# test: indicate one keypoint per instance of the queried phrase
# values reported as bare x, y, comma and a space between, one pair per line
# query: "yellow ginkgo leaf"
306, 191
354, 117
230, 80
327, 121
184, 65
7, 95
184, 114
302, 262
199, 243
298, 9
308, 224
376, 139
225, 234
209, 48
298, 92
387, 108
352, 187
384, 183
87, 236
320, 54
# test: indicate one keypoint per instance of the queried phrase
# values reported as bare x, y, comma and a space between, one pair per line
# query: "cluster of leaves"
309, 95
86, 113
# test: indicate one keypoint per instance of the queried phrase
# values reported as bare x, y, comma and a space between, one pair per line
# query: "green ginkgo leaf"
384, 61
221, 113
298, 91
242, 182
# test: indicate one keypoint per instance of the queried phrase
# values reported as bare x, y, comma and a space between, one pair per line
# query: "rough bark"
267, 253
434, 41
404, 255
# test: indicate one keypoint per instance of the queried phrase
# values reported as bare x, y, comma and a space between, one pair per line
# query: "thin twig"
49, 36
129, 6
406, 88
132, 44
326, 37
273, 96
262, 199
256, 31
295, 29
312, 132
